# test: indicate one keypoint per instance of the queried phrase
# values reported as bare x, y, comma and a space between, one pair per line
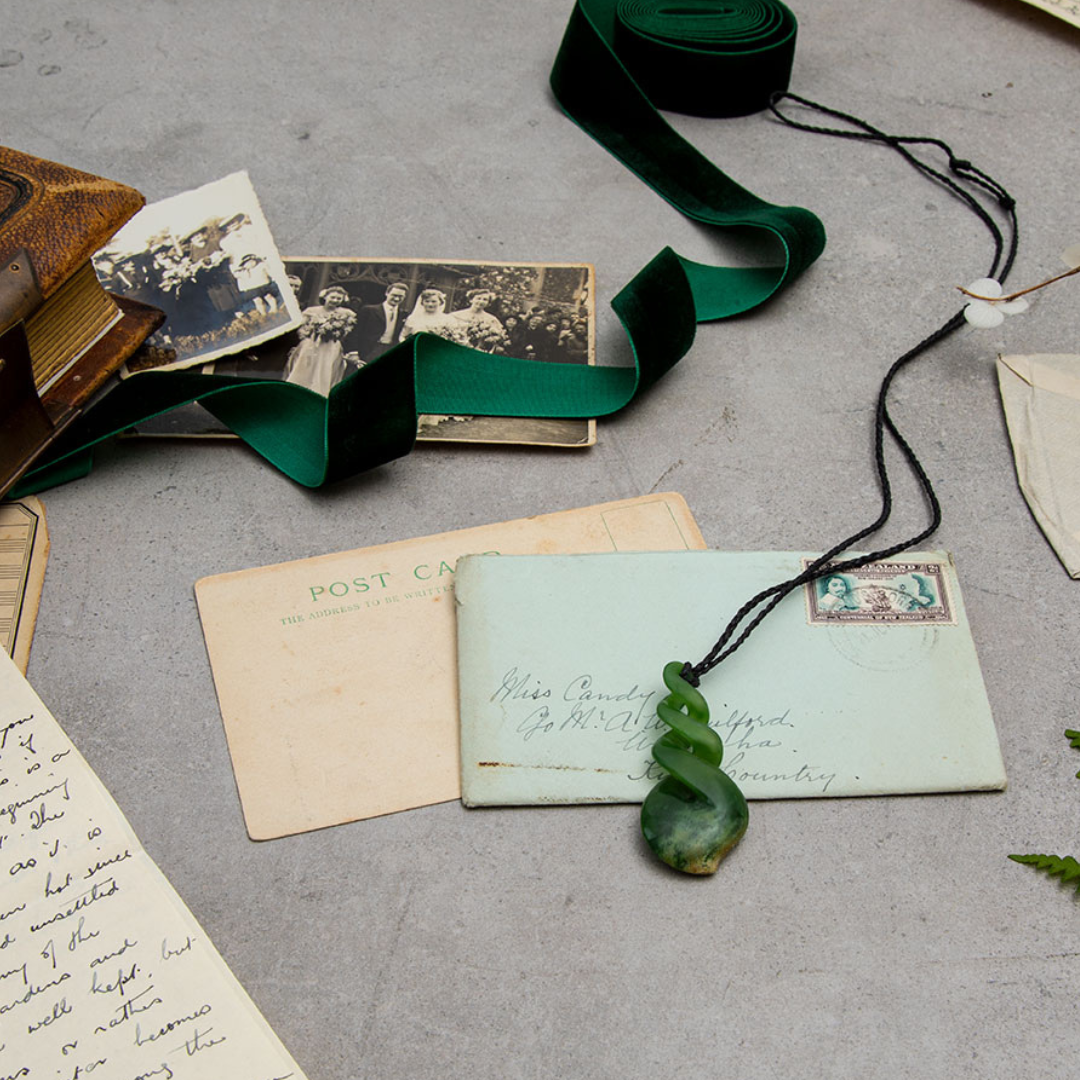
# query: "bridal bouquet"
486, 337
451, 330
328, 326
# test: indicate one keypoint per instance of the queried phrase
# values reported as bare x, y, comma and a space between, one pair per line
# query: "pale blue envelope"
869, 685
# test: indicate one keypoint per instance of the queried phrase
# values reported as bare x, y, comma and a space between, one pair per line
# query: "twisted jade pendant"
696, 814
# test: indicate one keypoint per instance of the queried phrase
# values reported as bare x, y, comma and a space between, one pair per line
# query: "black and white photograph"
207, 259
354, 310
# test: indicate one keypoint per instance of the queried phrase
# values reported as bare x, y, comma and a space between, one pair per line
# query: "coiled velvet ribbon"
620, 61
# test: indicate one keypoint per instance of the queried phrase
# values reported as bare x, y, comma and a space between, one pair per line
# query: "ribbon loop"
704, 57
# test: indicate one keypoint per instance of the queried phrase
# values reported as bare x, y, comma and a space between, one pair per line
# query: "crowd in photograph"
336, 335
209, 283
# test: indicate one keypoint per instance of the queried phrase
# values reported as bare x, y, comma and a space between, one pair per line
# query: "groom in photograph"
378, 326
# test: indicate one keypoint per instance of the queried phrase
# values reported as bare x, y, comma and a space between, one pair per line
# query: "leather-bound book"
61, 334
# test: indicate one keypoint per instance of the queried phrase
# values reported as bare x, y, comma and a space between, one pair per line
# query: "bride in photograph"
319, 361
428, 315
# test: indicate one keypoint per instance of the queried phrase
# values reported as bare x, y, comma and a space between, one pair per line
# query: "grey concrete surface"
872, 938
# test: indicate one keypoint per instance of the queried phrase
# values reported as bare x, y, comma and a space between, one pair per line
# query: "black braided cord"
757, 607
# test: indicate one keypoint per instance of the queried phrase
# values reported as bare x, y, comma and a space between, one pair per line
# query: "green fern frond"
1074, 742
1074, 738
1067, 868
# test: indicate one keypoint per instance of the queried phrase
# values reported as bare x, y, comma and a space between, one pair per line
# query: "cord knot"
1007, 201
690, 675
959, 164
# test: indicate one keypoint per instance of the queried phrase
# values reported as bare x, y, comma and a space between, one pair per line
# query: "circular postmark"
883, 646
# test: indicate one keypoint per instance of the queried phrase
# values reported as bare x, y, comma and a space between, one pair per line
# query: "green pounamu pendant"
696, 814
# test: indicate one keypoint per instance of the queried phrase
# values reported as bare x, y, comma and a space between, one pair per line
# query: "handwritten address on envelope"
103, 970
627, 717
867, 685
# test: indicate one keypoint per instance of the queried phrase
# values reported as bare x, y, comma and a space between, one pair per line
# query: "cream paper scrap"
24, 550
1041, 397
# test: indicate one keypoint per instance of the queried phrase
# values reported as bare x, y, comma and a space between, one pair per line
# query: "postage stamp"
882, 593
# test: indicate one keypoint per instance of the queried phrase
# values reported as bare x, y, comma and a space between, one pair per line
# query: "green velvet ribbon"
620, 61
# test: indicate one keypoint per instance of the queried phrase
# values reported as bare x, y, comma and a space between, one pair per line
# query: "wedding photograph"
354, 310
207, 259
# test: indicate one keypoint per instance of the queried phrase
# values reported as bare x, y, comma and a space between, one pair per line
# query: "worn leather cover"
52, 219
60, 215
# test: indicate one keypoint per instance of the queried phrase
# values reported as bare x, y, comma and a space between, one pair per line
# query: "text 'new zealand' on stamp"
882, 593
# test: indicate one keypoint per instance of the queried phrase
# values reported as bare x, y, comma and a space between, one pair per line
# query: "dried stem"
1022, 292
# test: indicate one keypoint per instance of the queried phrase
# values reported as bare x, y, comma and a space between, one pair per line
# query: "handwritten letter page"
102, 967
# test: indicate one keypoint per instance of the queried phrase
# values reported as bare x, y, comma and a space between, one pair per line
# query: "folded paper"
865, 683
1041, 398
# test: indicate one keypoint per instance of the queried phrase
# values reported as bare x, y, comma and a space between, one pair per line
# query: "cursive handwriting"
538, 709
168, 954
99, 891
581, 688
172, 1025
113, 955
132, 1007
80, 935
577, 705
39, 818
32, 992
117, 986
9, 811
60, 1008
201, 1041
164, 1071
21, 971
809, 774
86, 922
6, 729
55, 890
14, 911
85, 1070
517, 686
102, 863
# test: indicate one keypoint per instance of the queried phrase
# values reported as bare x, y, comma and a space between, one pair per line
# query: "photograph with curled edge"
354, 310
206, 258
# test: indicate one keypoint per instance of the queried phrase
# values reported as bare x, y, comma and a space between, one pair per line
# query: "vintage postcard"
24, 550
560, 706
207, 259
337, 675
354, 310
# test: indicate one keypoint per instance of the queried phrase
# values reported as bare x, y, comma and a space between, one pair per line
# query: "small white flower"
983, 310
